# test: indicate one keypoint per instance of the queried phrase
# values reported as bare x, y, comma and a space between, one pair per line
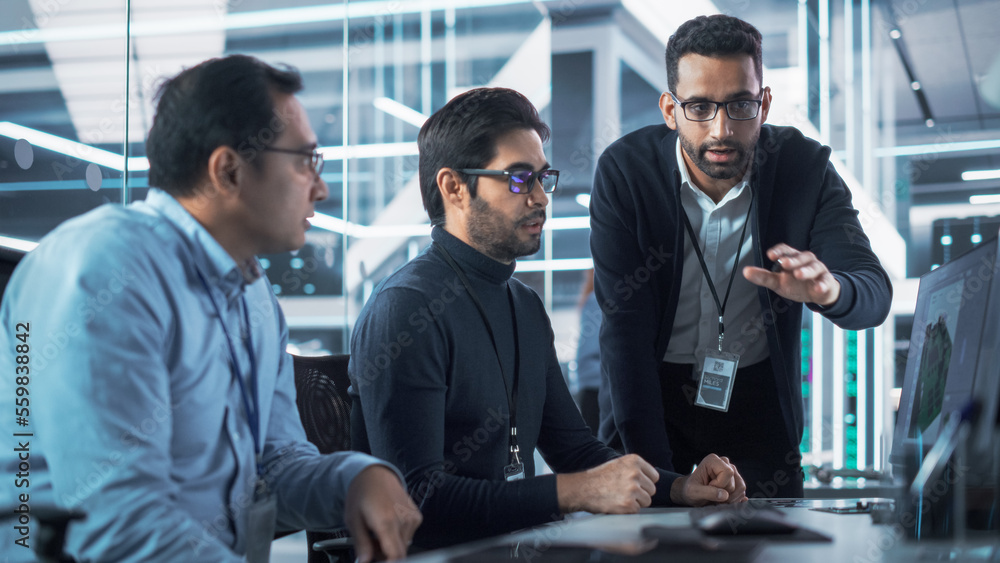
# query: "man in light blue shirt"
150, 349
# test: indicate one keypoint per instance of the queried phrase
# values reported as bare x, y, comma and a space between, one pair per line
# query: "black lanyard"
704, 267
509, 392
253, 415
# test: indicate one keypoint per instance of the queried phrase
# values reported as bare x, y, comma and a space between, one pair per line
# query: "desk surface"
855, 537
842, 488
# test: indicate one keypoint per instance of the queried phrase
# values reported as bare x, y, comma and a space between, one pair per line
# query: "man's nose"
537, 196
322, 191
721, 126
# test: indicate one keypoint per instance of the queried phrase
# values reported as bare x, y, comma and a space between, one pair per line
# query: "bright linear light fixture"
72, 148
244, 20
984, 199
970, 175
18, 244
115, 161
401, 111
556, 265
937, 148
374, 150
338, 225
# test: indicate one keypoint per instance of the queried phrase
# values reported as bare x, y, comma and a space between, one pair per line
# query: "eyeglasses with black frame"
520, 181
315, 157
706, 110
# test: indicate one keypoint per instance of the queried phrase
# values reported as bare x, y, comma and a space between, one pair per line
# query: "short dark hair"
463, 134
221, 102
718, 35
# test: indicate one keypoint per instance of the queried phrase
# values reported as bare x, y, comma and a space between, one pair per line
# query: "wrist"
567, 492
677, 490
834, 295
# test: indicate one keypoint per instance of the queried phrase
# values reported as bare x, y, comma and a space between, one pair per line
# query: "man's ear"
226, 171
765, 105
454, 191
669, 110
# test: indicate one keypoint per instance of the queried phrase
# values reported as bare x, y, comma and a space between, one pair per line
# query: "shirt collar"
214, 262
700, 195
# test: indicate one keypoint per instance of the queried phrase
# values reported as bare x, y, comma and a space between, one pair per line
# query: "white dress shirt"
696, 321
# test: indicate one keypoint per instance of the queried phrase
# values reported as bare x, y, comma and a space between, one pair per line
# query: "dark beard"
493, 236
720, 171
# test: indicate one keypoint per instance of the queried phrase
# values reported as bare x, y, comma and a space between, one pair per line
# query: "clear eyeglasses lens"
522, 180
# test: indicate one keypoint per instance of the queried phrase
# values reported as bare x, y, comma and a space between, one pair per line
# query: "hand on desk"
715, 480
380, 515
797, 275
620, 486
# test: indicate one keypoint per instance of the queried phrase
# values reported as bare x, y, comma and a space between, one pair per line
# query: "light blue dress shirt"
135, 414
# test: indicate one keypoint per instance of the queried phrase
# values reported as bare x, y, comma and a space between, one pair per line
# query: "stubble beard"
744, 152
492, 235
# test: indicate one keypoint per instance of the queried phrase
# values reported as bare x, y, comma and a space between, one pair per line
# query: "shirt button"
236, 436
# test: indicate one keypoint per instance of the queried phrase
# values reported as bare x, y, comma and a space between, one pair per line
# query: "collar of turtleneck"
473, 262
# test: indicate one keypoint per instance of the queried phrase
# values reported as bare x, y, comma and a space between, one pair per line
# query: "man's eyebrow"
741, 95
527, 166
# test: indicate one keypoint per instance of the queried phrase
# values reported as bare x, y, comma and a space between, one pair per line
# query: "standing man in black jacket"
709, 233
453, 366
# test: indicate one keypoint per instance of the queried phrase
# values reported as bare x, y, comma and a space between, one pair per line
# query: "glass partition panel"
63, 70
405, 61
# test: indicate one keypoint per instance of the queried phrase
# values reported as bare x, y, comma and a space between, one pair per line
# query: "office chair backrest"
321, 384
321, 395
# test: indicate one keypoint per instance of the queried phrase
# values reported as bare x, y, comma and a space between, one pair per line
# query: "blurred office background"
907, 92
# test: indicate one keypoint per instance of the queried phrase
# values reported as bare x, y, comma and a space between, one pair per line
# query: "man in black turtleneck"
452, 354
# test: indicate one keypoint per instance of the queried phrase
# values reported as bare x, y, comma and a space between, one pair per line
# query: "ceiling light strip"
984, 199
243, 20
18, 244
338, 225
972, 175
936, 148
558, 265
61, 145
374, 150
140, 163
400, 111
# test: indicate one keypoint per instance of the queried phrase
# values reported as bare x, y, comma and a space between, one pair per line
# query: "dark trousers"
751, 433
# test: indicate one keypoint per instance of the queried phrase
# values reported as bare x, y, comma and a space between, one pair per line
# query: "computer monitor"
953, 358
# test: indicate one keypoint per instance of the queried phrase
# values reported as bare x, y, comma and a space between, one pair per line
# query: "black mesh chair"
321, 384
52, 526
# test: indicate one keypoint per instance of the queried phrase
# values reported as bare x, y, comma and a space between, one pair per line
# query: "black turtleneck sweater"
429, 396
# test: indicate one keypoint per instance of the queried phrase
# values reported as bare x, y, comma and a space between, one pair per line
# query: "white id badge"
260, 526
715, 384
514, 472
